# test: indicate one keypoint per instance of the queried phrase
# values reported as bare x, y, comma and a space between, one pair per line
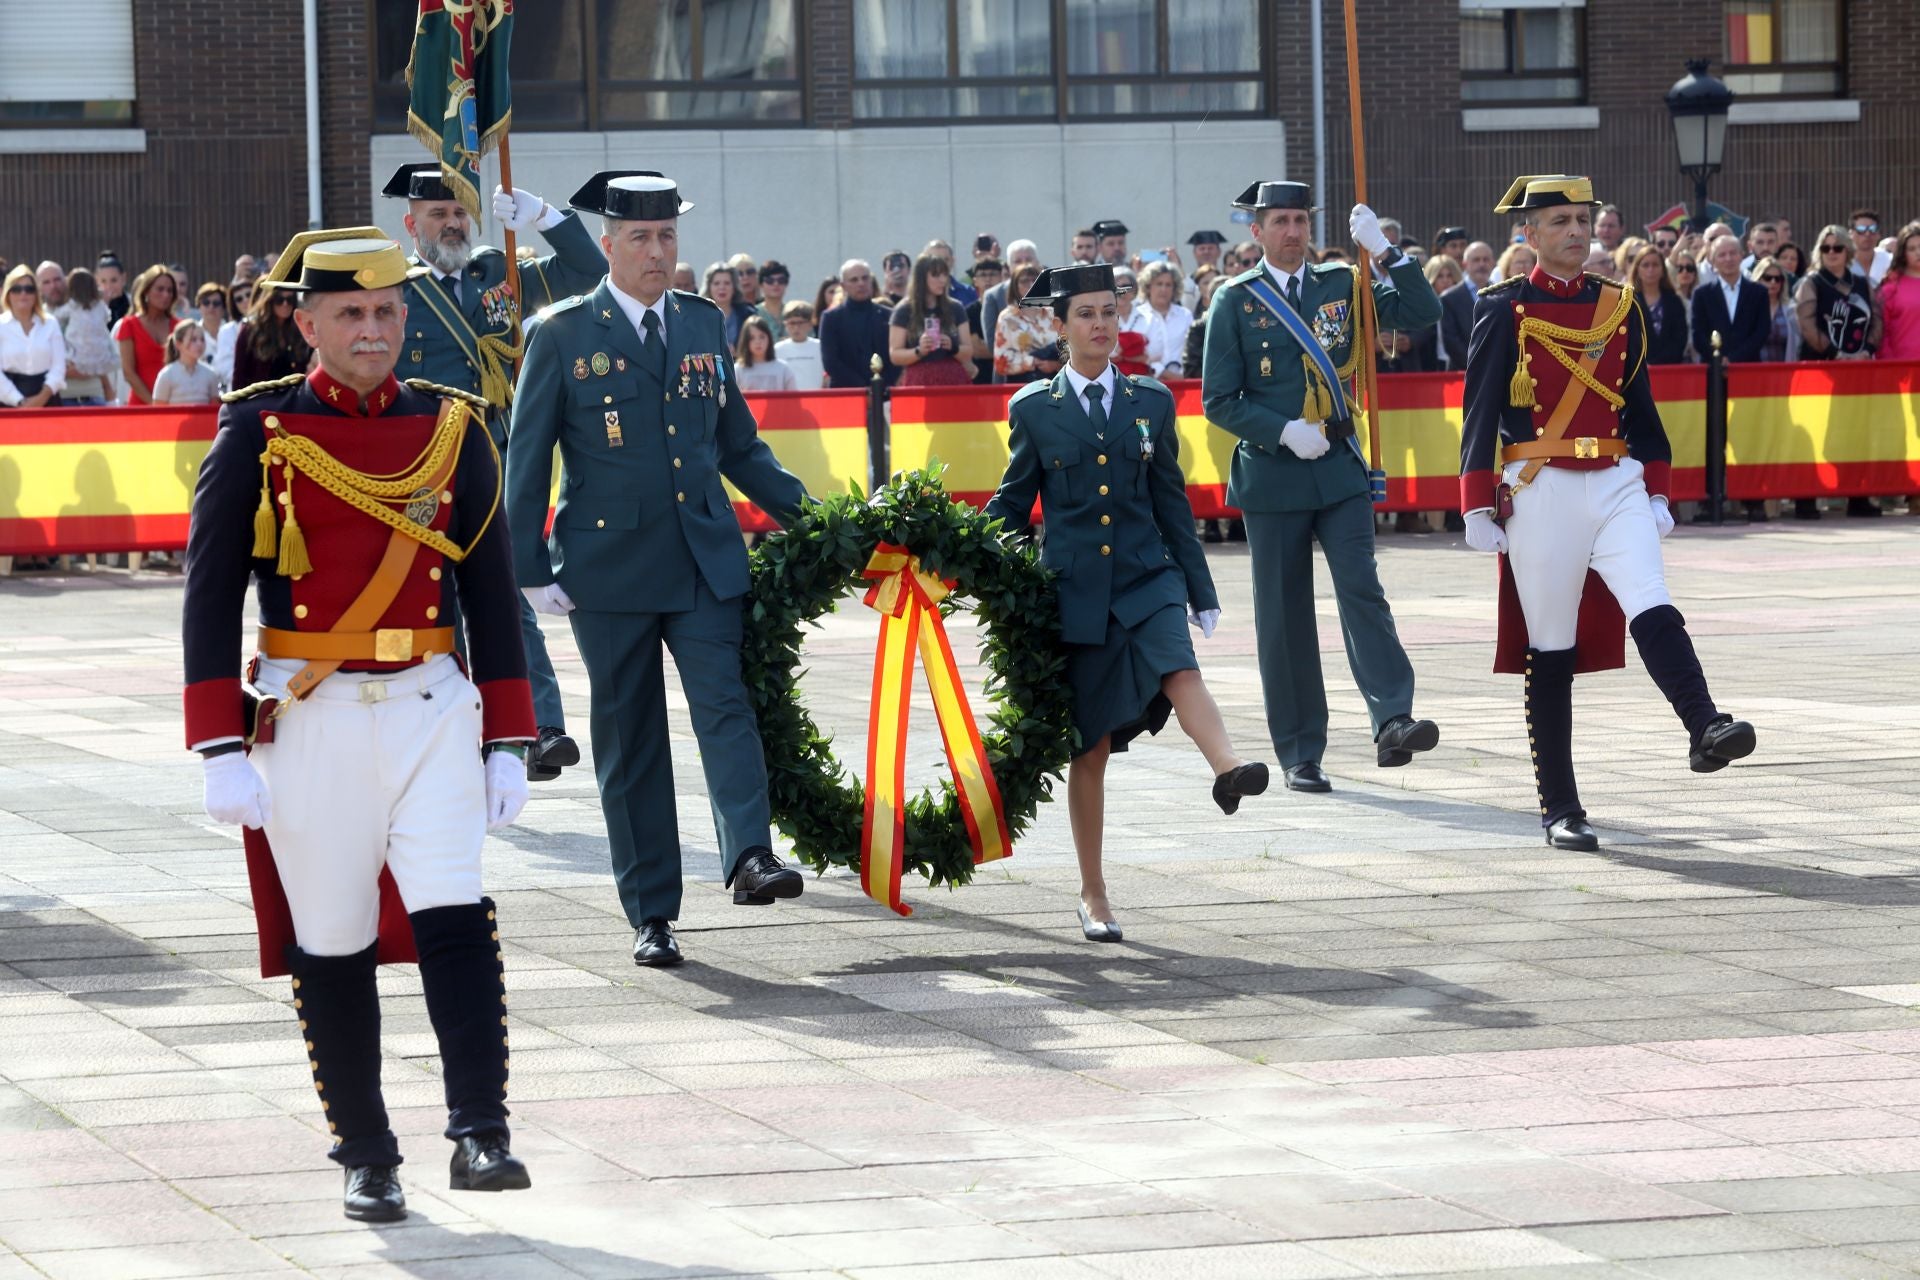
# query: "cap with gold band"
631, 195
1543, 191
1057, 284
342, 260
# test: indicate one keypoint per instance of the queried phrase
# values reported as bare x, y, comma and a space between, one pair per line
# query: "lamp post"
1699, 105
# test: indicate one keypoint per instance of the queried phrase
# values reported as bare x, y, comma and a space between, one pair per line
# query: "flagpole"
511, 248
1365, 374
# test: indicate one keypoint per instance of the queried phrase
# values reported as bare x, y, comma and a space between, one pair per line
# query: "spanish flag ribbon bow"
908, 600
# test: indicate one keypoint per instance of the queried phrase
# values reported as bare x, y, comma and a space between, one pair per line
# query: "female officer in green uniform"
1099, 448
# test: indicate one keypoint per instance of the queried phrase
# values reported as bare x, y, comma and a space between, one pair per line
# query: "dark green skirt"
1116, 684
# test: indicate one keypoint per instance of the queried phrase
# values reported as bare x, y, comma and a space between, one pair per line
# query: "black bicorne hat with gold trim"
1543, 191
631, 195
422, 181
343, 260
1057, 284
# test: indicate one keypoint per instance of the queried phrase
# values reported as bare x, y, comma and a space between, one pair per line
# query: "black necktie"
654, 349
1293, 293
453, 290
1096, 412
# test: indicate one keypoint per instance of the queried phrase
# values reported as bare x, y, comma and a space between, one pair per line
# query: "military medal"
601, 364
1146, 441
580, 368
614, 440
620, 364
721, 370
423, 506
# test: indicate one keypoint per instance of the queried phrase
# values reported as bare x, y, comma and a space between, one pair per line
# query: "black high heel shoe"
1242, 780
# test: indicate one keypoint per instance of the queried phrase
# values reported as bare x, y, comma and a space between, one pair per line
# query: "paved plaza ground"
1385, 1032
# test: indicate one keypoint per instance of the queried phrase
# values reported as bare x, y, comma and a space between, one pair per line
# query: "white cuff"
550, 219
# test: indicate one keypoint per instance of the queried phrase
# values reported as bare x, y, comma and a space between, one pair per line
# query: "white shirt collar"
1080, 383
1280, 277
634, 309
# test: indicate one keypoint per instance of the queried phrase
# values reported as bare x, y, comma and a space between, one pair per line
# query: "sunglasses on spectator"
1834, 248
282, 298
1773, 279
1866, 228
23, 288
773, 279
1687, 269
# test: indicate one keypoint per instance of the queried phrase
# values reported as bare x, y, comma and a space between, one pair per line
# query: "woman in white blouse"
33, 355
1159, 315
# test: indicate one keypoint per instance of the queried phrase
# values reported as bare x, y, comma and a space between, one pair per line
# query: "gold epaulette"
254, 389
1511, 282
1603, 280
437, 389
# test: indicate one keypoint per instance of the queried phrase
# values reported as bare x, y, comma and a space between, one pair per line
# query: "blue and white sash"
1296, 326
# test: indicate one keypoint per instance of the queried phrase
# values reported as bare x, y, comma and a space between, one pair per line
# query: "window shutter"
73, 51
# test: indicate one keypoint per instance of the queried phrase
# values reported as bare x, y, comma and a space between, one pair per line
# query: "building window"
1050, 60
53, 78
655, 63
1784, 48
1512, 56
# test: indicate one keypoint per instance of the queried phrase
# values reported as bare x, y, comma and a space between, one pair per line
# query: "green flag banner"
461, 101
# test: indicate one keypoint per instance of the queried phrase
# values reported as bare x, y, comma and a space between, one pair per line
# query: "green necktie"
654, 349
1096, 412
1293, 293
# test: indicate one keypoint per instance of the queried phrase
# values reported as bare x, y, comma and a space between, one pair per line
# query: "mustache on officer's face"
370, 347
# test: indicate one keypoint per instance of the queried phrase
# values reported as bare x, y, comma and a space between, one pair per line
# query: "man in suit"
1456, 304
460, 334
855, 332
1731, 305
1274, 335
635, 385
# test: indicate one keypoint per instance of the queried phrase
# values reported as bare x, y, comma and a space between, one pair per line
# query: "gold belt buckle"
394, 644
373, 691
1586, 447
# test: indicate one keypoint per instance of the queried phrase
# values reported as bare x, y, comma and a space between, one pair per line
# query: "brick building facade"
215, 162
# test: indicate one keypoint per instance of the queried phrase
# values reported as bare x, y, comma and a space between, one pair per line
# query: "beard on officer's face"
449, 252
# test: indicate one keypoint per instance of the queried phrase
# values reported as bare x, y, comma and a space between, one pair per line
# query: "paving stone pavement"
1381, 1033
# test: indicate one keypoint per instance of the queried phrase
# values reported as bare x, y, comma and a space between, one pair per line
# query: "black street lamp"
1699, 107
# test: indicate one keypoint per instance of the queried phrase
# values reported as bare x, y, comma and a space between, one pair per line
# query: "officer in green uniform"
1274, 334
635, 385
459, 334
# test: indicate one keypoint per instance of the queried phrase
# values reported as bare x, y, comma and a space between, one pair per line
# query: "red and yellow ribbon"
908, 599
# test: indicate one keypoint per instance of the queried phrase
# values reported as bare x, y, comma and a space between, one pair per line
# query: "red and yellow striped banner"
908, 600
121, 479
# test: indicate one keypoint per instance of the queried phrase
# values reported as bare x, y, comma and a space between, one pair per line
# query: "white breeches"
370, 770
1567, 522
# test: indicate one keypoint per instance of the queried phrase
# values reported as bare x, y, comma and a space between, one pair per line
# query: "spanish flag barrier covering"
121, 479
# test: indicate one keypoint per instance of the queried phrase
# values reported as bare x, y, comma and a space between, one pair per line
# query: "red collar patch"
1557, 287
337, 395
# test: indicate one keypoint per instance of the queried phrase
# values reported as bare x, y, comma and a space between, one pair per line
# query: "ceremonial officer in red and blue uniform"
461, 333
364, 762
1564, 471
635, 385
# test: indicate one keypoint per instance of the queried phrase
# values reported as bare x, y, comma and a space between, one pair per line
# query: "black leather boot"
338, 1004
1660, 633
1550, 739
464, 976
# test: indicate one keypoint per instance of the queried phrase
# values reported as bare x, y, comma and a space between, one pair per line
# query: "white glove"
549, 599
1205, 620
506, 788
517, 210
1483, 534
1365, 225
235, 791
1305, 439
1662, 517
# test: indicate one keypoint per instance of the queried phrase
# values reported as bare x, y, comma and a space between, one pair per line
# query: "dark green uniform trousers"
1288, 633
632, 756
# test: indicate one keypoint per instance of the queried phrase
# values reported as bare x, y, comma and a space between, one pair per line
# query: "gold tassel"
263, 528
293, 543
1316, 406
1520, 389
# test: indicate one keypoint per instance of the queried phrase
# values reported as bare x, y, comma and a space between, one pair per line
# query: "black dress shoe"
1573, 833
1806, 508
1724, 741
481, 1162
1307, 777
373, 1194
1857, 507
1213, 532
759, 877
550, 753
654, 945
1401, 736
1241, 780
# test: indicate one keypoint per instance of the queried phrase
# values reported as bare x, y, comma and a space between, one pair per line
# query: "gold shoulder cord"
366, 493
1558, 339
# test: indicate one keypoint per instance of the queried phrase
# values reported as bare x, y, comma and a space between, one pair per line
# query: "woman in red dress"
142, 332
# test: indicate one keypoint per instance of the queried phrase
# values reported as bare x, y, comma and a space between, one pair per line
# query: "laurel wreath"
1026, 721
